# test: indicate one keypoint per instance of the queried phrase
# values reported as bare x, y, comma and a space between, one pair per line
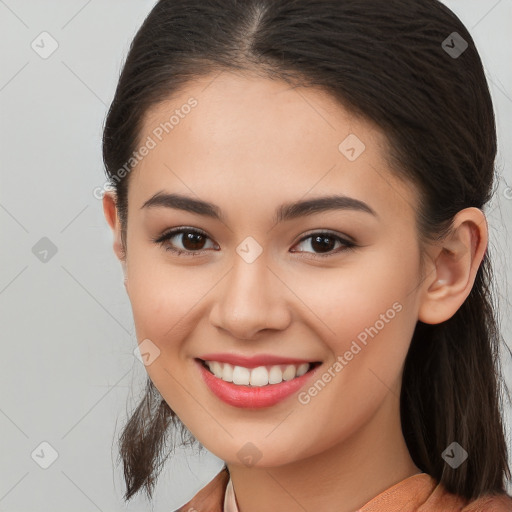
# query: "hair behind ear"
451, 393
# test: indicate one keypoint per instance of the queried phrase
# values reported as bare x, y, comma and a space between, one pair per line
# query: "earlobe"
456, 262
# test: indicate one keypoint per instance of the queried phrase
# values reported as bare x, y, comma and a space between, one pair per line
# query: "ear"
454, 263
110, 211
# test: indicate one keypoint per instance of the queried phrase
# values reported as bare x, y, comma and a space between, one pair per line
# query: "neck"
341, 479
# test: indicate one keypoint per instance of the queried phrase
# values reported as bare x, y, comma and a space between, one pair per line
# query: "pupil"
193, 238
323, 245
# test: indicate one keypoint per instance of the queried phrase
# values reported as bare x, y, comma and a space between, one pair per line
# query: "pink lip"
252, 362
249, 396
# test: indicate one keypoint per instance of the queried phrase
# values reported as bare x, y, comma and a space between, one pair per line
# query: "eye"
191, 239
324, 242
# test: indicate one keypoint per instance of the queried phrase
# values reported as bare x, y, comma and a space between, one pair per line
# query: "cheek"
366, 318
372, 336
161, 299
354, 301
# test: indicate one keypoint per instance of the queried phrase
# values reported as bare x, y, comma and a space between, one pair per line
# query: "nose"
251, 299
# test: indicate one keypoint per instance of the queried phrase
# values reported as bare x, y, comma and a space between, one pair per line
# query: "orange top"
418, 493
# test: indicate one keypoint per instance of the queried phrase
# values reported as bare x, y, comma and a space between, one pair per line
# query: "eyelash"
348, 245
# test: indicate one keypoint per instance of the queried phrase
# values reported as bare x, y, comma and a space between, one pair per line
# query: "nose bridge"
251, 298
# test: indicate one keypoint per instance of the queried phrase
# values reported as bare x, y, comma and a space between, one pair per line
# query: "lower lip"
249, 396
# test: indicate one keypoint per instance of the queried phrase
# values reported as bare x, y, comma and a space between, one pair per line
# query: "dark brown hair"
385, 61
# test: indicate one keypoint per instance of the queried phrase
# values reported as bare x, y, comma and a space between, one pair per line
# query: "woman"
298, 207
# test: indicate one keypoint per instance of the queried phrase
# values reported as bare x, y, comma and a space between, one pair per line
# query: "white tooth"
227, 372
241, 376
216, 368
302, 369
275, 375
289, 372
259, 376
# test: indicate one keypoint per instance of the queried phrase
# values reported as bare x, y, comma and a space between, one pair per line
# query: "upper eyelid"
171, 233
178, 231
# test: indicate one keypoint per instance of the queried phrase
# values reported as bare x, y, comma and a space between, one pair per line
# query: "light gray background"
67, 370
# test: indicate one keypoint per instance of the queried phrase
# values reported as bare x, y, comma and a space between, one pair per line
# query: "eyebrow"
285, 212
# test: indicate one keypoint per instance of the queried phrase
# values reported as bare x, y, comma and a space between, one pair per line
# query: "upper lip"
253, 361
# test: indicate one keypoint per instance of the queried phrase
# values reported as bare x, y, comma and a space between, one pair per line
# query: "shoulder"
441, 499
423, 493
490, 503
211, 497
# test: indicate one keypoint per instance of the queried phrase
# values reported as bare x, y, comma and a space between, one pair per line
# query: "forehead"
249, 138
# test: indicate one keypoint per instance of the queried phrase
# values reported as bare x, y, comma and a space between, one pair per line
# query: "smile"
260, 376
257, 386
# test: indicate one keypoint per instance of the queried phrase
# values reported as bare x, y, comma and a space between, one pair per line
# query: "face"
334, 284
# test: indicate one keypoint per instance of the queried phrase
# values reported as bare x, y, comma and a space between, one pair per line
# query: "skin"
250, 145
